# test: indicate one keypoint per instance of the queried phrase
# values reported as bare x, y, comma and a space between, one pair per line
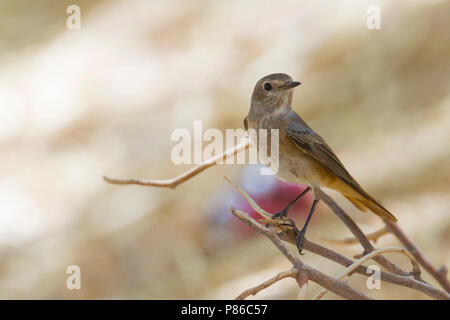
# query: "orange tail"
361, 199
373, 206
356, 203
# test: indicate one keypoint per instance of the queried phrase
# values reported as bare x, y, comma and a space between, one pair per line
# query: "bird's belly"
299, 171
299, 168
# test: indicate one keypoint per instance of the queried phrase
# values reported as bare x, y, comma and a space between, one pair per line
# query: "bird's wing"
313, 145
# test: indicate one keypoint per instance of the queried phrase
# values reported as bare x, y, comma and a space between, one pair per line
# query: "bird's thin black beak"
291, 84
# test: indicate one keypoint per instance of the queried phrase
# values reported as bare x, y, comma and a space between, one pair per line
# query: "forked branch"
338, 287
366, 258
285, 232
399, 277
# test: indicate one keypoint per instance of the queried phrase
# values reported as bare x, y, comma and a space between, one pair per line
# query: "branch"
172, 183
440, 275
285, 232
253, 291
338, 287
368, 247
373, 236
250, 201
348, 222
402, 279
394, 228
367, 257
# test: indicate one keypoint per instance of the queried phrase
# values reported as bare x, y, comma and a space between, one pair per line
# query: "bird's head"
273, 92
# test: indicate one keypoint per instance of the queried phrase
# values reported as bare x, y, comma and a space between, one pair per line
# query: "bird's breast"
293, 164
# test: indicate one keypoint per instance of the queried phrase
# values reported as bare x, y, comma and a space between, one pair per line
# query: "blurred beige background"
77, 104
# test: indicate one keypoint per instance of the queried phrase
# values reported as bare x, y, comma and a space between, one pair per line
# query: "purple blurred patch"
270, 193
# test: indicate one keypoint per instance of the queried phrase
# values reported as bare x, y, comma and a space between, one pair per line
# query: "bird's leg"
301, 233
284, 212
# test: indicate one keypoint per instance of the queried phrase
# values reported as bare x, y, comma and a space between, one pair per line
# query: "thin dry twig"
253, 291
439, 274
250, 201
373, 236
367, 257
172, 183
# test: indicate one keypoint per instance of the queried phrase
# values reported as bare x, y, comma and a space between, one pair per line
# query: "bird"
304, 156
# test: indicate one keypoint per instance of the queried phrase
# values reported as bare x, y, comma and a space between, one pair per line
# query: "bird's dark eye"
267, 86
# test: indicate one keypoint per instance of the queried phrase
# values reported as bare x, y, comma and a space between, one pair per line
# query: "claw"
300, 237
290, 222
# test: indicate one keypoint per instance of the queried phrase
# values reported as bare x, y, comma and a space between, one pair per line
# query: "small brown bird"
304, 157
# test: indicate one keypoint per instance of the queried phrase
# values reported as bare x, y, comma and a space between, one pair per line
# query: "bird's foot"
300, 237
300, 233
